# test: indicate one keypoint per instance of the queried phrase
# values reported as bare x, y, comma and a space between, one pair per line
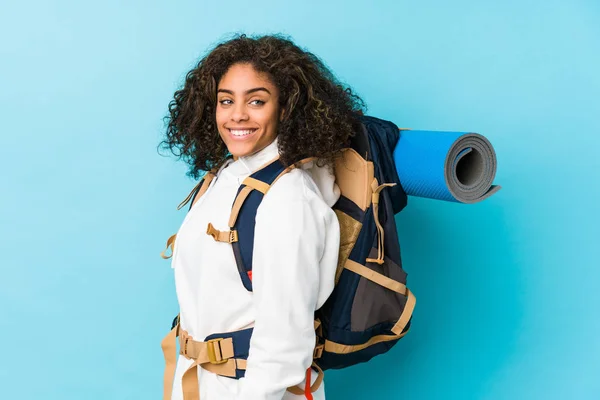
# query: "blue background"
507, 289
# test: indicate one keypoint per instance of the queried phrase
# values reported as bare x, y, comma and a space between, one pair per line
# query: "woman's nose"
239, 112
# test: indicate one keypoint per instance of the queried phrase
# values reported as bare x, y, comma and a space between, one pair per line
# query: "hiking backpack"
370, 308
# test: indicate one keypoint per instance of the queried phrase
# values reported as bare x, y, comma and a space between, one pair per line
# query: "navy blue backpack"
370, 308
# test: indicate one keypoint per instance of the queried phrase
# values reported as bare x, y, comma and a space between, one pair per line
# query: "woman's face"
248, 110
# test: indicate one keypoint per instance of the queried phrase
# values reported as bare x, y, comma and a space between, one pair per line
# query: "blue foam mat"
450, 166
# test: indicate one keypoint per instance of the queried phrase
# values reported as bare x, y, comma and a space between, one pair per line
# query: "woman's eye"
257, 102
225, 102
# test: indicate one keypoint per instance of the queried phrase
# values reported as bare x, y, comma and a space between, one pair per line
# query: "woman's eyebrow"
246, 92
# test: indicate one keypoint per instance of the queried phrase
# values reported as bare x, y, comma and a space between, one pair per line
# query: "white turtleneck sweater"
295, 256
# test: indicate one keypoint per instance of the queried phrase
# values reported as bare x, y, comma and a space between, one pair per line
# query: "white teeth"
241, 132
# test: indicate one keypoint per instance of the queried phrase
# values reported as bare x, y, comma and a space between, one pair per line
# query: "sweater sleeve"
295, 255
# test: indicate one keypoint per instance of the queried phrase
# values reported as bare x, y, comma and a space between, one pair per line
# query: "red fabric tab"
250, 275
307, 392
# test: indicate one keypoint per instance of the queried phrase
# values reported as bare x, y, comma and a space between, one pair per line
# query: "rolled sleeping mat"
450, 166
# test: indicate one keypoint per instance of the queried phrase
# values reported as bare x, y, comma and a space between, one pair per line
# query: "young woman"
247, 102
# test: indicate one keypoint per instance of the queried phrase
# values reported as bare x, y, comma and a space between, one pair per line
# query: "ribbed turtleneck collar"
246, 165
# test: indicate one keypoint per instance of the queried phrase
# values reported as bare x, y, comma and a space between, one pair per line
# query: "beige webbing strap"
318, 351
170, 243
380, 232
189, 196
205, 184
256, 184
314, 387
378, 188
317, 324
189, 383
216, 351
240, 363
411, 301
237, 205
338, 348
227, 368
230, 236
207, 180
376, 277
169, 348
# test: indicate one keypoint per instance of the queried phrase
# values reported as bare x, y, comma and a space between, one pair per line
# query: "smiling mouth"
241, 132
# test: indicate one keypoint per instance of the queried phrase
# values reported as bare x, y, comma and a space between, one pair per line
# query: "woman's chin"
238, 150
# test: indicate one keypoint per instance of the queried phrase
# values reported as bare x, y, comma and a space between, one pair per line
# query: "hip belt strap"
223, 354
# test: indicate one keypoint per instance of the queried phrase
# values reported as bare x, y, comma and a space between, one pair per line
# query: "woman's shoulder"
298, 197
311, 184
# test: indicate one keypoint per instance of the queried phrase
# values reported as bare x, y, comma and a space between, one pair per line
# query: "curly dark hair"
320, 113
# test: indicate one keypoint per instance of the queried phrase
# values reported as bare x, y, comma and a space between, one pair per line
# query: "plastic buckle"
318, 352
212, 355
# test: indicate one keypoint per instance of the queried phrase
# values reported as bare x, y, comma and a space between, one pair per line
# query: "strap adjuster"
318, 351
183, 344
215, 356
230, 236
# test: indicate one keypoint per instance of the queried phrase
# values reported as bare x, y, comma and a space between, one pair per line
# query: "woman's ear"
281, 114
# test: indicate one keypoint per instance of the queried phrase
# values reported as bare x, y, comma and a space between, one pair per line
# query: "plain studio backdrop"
507, 289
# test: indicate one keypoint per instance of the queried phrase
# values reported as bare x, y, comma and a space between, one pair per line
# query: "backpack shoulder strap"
243, 213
